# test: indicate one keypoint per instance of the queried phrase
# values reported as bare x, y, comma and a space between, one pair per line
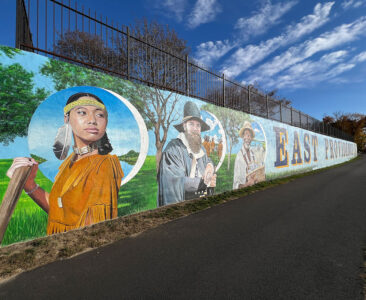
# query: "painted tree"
231, 121
146, 64
18, 100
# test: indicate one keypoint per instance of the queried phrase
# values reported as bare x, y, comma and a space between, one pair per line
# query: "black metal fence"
61, 29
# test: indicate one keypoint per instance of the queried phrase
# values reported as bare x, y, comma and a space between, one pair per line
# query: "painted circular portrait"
250, 157
214, 140
126, 131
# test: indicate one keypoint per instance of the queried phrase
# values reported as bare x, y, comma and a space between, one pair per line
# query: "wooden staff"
11, 197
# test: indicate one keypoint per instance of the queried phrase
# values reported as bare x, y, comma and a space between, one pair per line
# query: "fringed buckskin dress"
85, 192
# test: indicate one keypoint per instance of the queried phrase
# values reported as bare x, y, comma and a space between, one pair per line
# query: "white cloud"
210, 51
329, 40
262, 20
246, 57
352, 4
310, 72
177, 7
204, 11
360, 57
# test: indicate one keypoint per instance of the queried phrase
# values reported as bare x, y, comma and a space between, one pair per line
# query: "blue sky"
313, 52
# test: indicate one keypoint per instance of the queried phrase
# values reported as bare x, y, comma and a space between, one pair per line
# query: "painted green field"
139, 194
29, 220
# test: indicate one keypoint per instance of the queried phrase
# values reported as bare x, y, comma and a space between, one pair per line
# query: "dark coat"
174, 182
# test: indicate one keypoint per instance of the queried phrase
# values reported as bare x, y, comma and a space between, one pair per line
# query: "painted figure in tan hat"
185, 170
247, 171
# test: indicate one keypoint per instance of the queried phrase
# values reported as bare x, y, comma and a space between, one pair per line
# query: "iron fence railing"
46, 26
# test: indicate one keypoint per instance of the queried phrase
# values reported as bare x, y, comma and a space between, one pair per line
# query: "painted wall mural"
104, 147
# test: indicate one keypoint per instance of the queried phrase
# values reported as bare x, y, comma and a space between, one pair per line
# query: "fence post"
249, 88
267, 107
187, 79
223, 89
300, 119
128, 53
281, 111
291, 117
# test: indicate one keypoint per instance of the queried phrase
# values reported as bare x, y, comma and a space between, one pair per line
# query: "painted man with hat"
245, 161
185, 170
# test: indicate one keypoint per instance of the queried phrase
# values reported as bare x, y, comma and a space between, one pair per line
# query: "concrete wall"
143, 125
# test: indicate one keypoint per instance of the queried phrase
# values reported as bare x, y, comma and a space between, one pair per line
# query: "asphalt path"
301, 240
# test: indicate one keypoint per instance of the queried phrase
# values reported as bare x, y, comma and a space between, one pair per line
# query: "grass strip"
20, 257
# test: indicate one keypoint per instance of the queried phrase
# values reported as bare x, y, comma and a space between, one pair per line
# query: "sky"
312, 52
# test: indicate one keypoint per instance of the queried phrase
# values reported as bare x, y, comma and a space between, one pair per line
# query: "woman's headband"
84, 100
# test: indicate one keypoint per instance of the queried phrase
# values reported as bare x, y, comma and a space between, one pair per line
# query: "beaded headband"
85, 100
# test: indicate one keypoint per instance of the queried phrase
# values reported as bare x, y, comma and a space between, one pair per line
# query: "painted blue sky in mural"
122, 128
313, 52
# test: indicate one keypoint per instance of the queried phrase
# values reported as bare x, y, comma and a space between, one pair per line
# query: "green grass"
28, 220
224, 180
140, 193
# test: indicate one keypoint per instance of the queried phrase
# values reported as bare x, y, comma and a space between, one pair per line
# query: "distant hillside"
130, 157
38, 159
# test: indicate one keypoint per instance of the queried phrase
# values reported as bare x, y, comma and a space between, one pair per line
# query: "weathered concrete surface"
301, 240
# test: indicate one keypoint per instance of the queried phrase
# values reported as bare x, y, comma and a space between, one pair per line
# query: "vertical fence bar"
281, 111
37, 20
187, 83
45, 29
76, 16
291, 116
223, 90
249, 108
19, 39
62, 18
300, 119
69, 14
54, 28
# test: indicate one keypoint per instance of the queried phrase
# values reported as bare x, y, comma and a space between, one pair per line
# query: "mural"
104, 147
249, 165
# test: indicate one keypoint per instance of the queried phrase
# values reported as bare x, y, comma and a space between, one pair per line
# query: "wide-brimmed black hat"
191, 112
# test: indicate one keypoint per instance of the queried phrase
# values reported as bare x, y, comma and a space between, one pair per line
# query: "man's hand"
212, 182
251, 181
209, 177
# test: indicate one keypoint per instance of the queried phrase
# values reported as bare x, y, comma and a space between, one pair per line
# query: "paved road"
301, 240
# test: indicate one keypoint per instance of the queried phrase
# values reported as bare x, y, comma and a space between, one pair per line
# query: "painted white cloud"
262, 20
352, 4
204, 11
177, 7
244, 58
124, 141
211, 123
339, 36
210, 51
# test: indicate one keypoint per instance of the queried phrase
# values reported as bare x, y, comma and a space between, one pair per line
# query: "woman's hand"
24, 162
